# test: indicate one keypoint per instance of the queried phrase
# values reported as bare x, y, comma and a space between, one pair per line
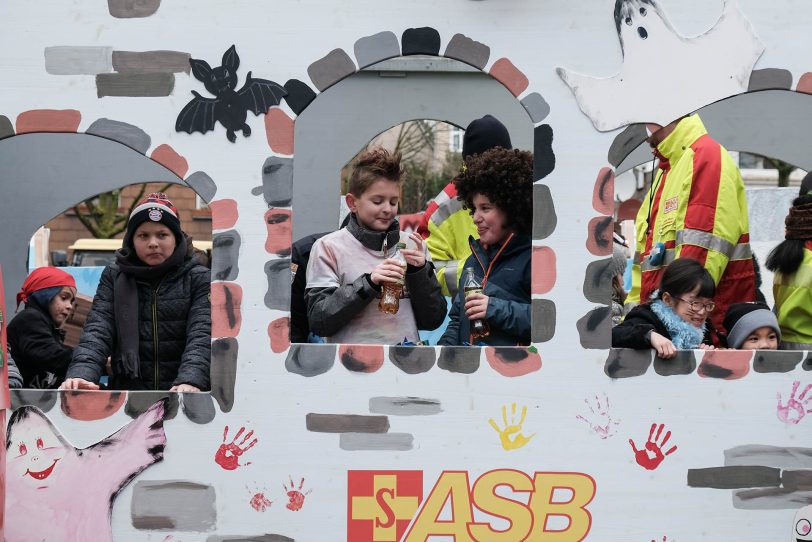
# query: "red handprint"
642, 457
795, 409
260, 502
295, 496
665, 539
228, 455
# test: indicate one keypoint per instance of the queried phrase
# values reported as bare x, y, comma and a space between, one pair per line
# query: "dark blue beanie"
42, 298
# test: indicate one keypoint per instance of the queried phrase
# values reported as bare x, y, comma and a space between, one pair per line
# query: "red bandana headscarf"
44, 277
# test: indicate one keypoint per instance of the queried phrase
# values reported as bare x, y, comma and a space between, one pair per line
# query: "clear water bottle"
391, 292
479, 327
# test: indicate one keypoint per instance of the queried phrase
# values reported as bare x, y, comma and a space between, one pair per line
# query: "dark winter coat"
174, 327
299, 256
508, 289
37, 347
631, 333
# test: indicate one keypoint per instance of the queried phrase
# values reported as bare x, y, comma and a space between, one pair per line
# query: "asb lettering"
564, 495
547, 507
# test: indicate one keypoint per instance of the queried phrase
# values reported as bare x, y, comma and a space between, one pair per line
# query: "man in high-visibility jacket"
446, 226
695, 208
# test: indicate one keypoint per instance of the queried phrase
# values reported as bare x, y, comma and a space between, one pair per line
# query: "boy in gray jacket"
347, 268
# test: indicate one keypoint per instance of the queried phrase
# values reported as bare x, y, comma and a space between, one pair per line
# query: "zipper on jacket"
155, 329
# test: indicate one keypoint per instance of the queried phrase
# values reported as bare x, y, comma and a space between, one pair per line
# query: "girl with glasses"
677, 318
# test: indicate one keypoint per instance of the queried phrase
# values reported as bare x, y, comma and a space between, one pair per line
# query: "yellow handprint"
511, 429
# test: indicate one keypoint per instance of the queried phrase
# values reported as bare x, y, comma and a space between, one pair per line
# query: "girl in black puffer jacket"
35, 335
151, 312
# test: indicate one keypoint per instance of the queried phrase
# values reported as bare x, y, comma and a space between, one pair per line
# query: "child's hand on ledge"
707, 347
476, 306
78, 384
415, 256
665, 348
183, 388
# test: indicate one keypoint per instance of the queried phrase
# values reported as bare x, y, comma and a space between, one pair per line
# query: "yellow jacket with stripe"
793, 304
696, 208
446, 227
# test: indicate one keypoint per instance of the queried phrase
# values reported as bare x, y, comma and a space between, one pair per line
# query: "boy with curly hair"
497, 188
348, 267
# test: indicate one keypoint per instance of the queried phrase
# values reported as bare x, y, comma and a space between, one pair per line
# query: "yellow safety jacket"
793, 304
696, 208
446, 227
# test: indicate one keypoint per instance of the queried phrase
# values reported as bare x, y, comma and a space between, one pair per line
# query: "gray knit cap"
618, 260
742, 319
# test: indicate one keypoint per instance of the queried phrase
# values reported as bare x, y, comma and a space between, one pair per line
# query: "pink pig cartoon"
57, 492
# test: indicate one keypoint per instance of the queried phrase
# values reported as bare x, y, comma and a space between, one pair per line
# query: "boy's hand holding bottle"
392, 291
476, 306
391, 273
389, 270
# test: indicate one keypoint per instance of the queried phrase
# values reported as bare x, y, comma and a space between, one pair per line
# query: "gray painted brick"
137, 85
67, 60
151, 62
173, 505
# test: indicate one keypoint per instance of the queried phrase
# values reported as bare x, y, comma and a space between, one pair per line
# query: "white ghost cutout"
58, 493
665, 75
802, 525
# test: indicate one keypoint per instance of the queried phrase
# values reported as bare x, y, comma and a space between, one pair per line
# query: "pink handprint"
600, 421
228, 454
795, 409
665, 539
295, 496
642, 456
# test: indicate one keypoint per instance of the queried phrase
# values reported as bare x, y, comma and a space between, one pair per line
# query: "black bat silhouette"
229, 107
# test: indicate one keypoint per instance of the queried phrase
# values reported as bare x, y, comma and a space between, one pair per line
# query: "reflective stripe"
787, 345
446, 209
709, 241
637, 258
441, 198
450, 275
742, 252
670, 256
704, 239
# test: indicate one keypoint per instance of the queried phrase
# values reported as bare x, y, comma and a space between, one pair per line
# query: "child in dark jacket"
348, 267
497, 187
151, 313
35, 335
677, 319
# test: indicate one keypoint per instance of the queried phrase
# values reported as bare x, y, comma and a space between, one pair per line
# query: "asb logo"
381, 503
387, 506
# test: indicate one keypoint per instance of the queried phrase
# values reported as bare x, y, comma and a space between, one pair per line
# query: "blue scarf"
684, 335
